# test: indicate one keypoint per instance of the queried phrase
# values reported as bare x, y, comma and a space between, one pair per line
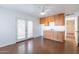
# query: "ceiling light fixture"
43, 11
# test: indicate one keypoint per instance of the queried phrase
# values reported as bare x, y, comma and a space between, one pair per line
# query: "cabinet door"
44, 21
41, 20
52, 35
56, 19
51, 18
60, 36
59, 19
55, 36
47, 34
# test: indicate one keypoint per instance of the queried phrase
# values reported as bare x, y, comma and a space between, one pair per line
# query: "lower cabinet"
60, 36
54, 35
47, 34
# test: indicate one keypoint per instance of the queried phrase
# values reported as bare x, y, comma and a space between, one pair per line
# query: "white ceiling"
35, 9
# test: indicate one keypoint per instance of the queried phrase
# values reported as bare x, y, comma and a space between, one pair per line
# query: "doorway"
70, 31
24, 29
21, 35
29, 29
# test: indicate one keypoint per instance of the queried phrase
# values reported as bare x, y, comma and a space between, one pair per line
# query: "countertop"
56, 30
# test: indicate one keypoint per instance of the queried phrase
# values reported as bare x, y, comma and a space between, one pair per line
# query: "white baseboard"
4, 45
23, 39
36, 36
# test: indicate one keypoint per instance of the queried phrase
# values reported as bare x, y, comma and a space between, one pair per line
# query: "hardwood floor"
40, 46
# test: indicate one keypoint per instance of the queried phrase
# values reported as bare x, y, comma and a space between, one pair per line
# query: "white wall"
8, 25
37, 28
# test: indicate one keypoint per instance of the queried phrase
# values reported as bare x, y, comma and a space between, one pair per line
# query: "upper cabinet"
59, 19
41, 21
51, 18
44, 21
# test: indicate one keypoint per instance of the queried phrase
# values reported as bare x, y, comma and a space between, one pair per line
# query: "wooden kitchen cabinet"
44, 21
51, 18
60, 36
62, 22
47, 34
54, 35
56, 19
59, 19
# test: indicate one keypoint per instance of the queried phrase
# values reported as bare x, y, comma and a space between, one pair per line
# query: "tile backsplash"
52, 26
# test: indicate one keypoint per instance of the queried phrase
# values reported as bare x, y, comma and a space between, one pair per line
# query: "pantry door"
70, 28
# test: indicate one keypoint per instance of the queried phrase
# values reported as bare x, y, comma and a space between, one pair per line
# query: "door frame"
16, 27
32, 28
71, 17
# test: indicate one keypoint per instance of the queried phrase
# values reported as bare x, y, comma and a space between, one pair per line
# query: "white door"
20, 29
29, 29
70, 29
